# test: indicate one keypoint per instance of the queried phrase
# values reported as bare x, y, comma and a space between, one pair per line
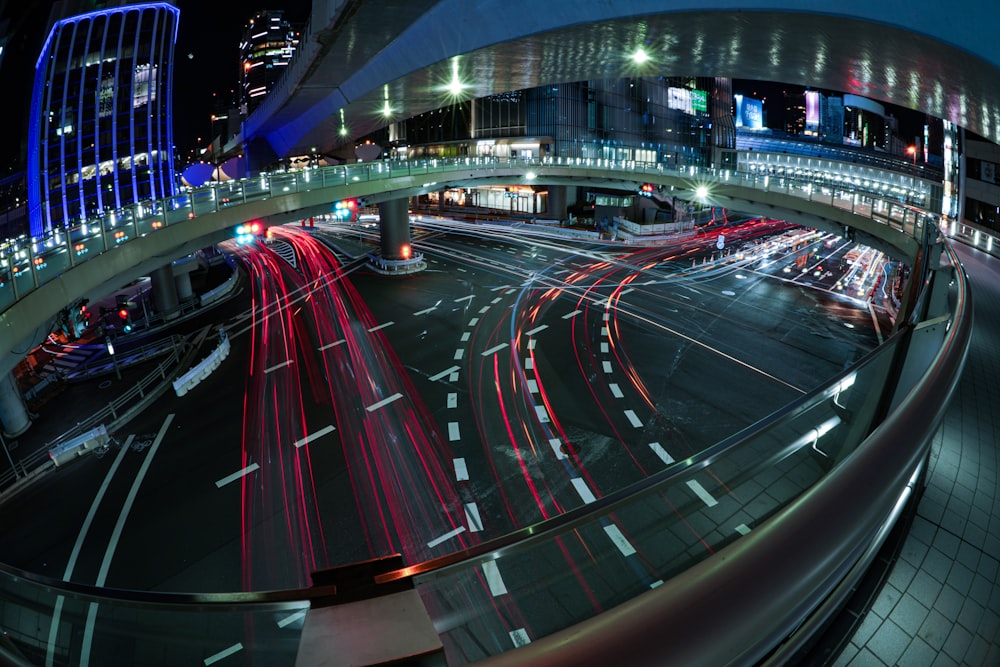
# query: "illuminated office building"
100, 131
267, 47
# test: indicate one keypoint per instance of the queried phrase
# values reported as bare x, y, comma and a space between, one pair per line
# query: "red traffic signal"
123, 314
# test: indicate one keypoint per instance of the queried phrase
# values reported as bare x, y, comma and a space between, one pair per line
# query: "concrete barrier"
78, 446
203, 368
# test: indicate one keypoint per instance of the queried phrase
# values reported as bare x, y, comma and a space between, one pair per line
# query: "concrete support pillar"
394, 221
13, 414
165, 292
182, 282
557, 202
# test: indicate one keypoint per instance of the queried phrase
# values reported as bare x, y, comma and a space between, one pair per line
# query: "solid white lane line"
615, 390
452, 399
313, 436
291, 618
465, 336
438, 376
573, 314
494, 349
636, 422
236, 475
581, 488
607, 367
425, 310
447, 536
472, 514
453, 431
333, 344
661, 452
109, 552
519, 637
381, 326
383, 402
538, 329
616, 536
700, 491
460, 299
459, 353
461, 471
532, 386
493, 578
543, 416
556, 446
235, 648
281, 365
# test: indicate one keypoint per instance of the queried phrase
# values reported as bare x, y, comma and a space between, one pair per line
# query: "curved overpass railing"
820, 482
27, 263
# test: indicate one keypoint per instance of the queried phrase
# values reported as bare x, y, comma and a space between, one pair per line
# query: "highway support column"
395, 255
13, 414
165, 292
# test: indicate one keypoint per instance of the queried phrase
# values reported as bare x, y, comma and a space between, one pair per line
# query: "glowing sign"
749, 113
812, 112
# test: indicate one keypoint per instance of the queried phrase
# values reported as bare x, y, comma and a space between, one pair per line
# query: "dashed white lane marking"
556, 446
483, 309
743, 529
313, 436
615, 390
495, 300
532, 386
649, 282
604, 348
636, 422
661, 452
493, 578
573, 314
333, 344
452, 400
383, 402
291, 618
543, 415
604, 331
529, 363
236, 475
281, 365
513, 252
537, 329
444, 538
453, 377
435, 378
453, 434
465, 336
461, 471
463, 270
581, 488
494, 349
472, 514
460, 299
616, 536
381, 326
607, 367
425, 310
700, 491
474, 321
459, 353
626, 291
531, 343
235, 648
606, 316
499, 287
519, 637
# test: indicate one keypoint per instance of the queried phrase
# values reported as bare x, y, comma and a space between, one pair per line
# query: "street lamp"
912, 150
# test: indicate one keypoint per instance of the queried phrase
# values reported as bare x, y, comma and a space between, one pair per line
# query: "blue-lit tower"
100, 132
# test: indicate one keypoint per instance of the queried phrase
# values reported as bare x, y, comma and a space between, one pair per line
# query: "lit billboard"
686, 100
812, 112
749, 113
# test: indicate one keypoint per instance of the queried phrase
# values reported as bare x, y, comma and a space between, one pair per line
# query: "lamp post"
912, 150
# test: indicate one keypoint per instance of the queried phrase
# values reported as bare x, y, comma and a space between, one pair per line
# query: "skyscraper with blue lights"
100, 132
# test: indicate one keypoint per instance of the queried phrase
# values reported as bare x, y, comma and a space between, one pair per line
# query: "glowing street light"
639, 56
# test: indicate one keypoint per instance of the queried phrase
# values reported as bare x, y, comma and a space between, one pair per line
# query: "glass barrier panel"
149, 217
230, 193
356, 174
685, 514
178, 209
20, 268
283, 184
7, 294
256, 188
50, 262
203, 201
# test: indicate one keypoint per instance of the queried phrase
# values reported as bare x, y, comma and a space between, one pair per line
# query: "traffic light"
647, 189
125, 317
346, 209
249, 231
